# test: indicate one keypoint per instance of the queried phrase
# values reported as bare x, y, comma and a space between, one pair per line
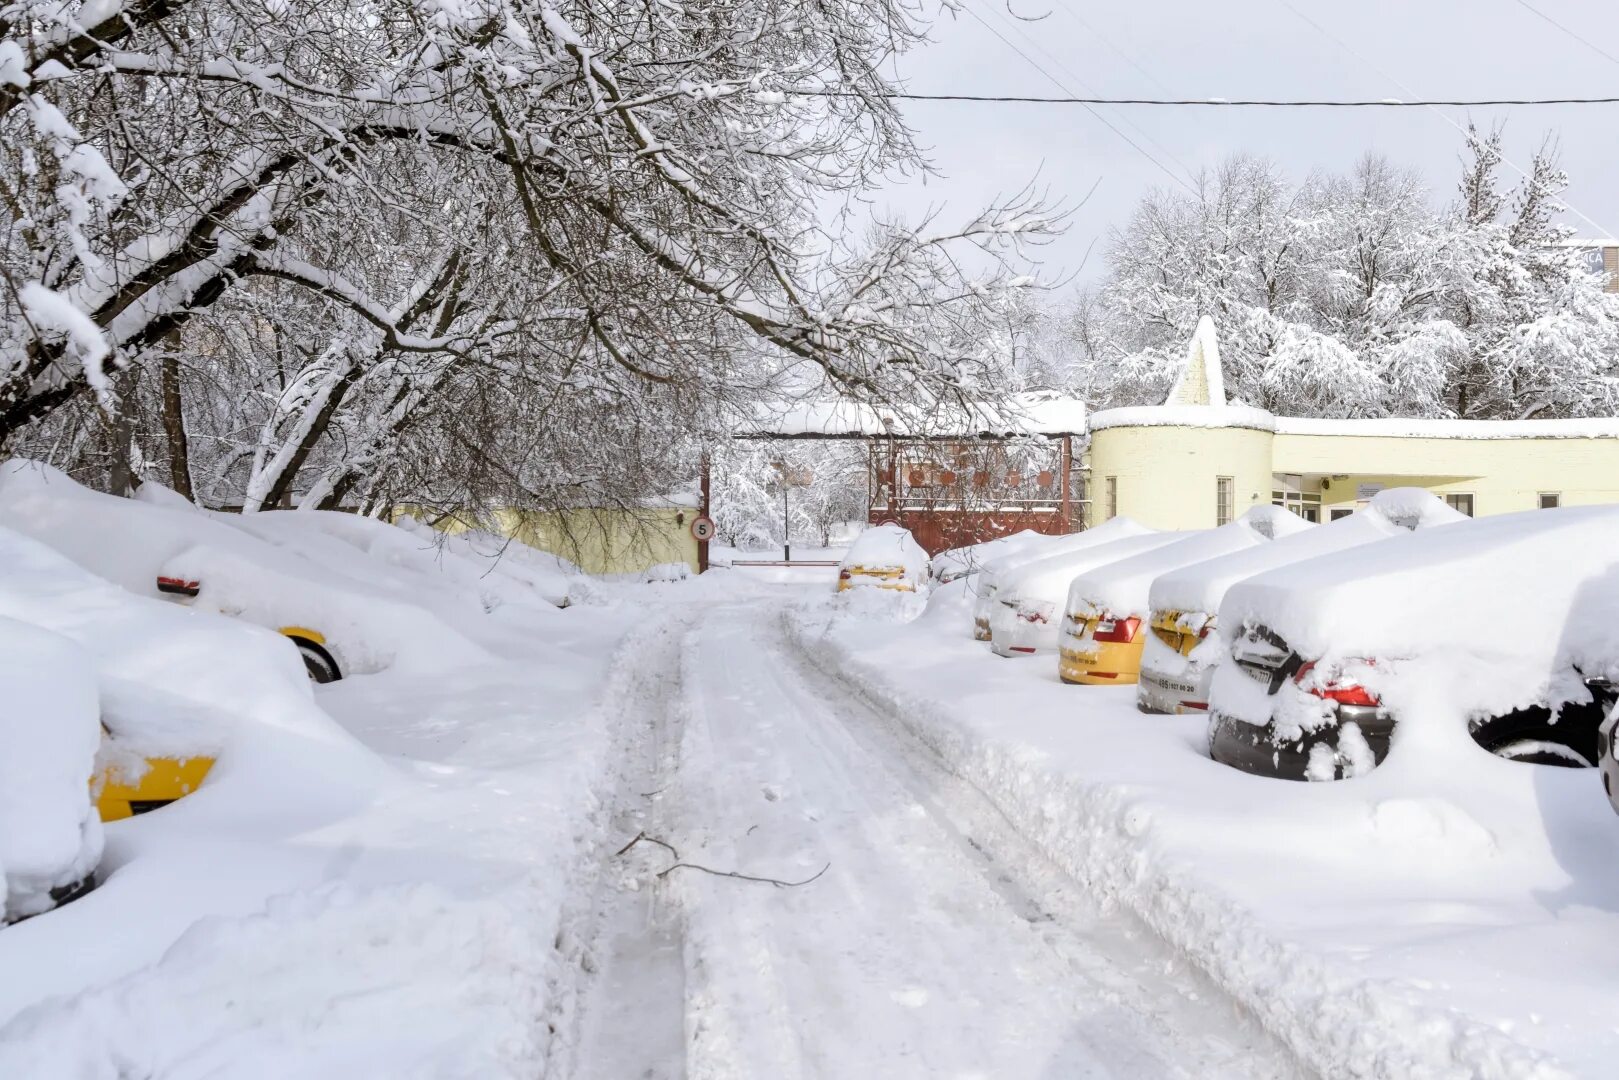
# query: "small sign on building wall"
1366, 491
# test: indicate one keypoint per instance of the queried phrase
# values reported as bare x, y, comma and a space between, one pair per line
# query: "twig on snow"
777, 882
651, 840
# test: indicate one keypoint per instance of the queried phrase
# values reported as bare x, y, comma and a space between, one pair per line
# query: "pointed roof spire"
1200, 381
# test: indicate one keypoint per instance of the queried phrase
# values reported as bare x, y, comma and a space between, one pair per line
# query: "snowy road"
938, 942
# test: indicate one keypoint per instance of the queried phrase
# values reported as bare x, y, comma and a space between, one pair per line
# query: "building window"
1551, 500
1341, 512
1112, 497
1462, 501
1222, 499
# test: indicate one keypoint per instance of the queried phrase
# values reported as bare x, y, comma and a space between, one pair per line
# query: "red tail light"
1343, 695
1031, 616
844, 575
1117, 630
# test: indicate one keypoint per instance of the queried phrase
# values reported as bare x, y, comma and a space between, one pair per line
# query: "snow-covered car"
1002, 566
1028, 601
960, 562
1181, 648
1502, 634
50, 837
884, 557
1103, 629
360, 614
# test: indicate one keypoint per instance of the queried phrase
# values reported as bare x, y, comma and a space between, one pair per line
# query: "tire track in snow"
940, 942
625, 1010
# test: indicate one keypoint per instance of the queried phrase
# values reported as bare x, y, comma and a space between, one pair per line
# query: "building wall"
601, 541
1502, 475
1167, 476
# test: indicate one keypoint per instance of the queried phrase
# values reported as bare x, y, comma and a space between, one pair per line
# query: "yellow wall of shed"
598, 540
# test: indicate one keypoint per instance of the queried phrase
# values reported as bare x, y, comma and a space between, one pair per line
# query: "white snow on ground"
427, 870
1460, 929
394, 899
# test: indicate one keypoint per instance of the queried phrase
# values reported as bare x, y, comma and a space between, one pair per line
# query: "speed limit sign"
702, 528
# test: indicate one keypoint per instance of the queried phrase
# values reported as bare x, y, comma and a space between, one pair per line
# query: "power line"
1583, 41
1214, 102
1087, 106
1471, 138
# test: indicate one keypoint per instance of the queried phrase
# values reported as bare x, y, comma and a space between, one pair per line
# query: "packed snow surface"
1455, 924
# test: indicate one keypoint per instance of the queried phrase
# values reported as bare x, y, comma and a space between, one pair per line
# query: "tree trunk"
174, 426
121, 478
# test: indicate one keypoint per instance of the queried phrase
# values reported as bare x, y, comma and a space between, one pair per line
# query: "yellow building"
600, 540
1196, 462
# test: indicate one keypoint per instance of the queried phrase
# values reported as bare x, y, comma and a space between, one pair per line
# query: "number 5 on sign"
702, 528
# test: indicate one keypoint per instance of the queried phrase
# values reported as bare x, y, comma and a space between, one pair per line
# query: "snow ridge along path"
939, 942
1336, 1023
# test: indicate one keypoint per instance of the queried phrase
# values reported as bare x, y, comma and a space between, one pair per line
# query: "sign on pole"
702, 529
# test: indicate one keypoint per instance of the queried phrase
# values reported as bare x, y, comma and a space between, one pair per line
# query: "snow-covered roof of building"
1201, 416
1042, 413
1603, 427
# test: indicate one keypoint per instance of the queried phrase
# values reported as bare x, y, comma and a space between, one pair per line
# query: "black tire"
1530, 736
320, 665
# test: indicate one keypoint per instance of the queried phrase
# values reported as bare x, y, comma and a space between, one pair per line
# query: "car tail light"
844, 575
1031, 616
1353, 694
178, 586
1117, 630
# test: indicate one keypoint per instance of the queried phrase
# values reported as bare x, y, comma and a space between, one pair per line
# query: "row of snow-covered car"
1405, 630
130, 592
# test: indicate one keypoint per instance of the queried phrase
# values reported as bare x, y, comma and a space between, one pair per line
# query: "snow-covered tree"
351, 251
1352, 295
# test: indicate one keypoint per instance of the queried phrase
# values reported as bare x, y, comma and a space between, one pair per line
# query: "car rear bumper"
1100, 663
1160, 693
1253, 749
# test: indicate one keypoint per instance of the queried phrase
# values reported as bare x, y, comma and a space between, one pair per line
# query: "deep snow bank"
1381, 931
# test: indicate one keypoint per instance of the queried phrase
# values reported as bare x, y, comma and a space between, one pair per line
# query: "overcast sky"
1251, 48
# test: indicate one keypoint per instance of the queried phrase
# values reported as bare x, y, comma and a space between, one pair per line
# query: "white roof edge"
1196, 416
1413, 428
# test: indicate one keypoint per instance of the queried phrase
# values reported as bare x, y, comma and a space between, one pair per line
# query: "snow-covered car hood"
883, 546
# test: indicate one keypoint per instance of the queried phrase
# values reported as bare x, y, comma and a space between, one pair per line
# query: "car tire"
319, 663
1530, 736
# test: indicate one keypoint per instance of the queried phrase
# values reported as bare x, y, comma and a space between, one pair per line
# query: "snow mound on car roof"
1201, 586
1048, 578
1116, 528
1482, 618
1122, 588
888, 545
972, 558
